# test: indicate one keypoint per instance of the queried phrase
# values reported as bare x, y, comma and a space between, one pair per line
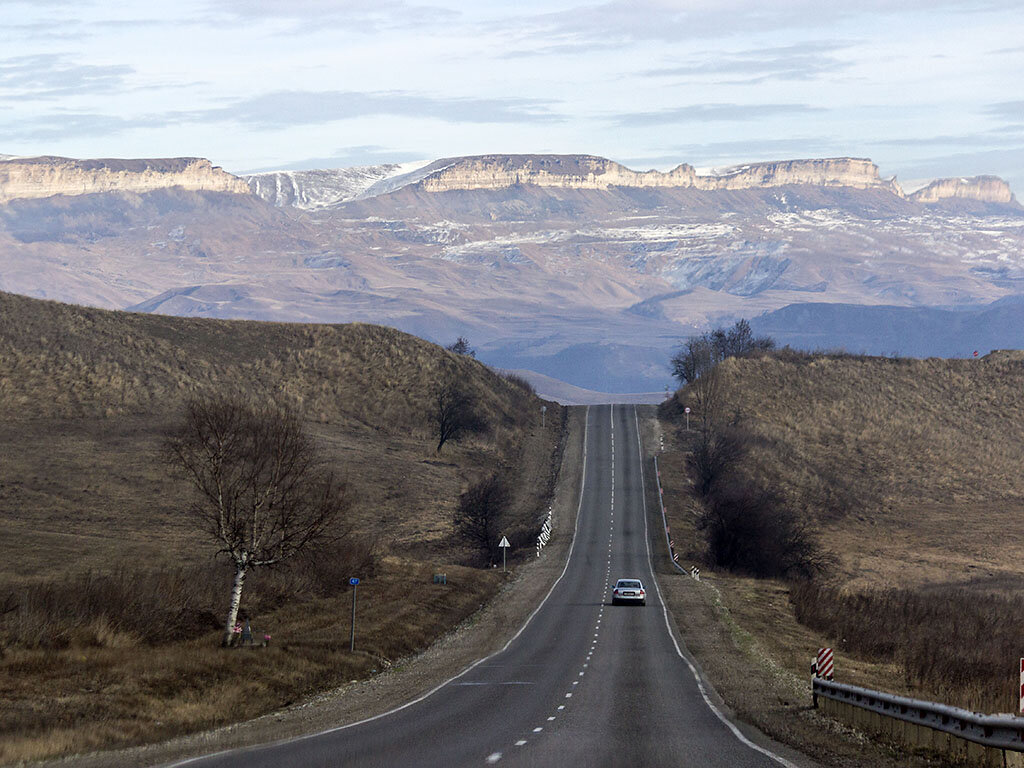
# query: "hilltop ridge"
38, 177
46, 176
591, 172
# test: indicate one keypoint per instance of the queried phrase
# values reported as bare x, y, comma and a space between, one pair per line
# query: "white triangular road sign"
504, 543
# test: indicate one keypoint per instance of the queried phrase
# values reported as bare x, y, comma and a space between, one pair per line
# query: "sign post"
543, 416
687, 411
504, 550
352, 635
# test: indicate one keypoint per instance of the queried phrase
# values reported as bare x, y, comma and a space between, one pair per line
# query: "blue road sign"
353, 581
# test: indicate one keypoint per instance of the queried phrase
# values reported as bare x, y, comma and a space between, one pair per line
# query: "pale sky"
924, 87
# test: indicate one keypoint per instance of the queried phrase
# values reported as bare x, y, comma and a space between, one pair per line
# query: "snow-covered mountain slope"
313, 189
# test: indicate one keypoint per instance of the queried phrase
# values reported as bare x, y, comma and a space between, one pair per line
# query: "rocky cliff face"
986, 189
589, 172
36, 177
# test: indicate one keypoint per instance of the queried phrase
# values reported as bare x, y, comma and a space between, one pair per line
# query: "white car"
629, 591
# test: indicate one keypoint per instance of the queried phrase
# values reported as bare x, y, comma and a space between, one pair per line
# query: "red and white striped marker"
826, 663
675, 557
1022, 686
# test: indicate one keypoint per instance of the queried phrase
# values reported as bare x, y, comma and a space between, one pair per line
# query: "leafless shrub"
454, 413
479, 515
461, 347
749, 530
518, 381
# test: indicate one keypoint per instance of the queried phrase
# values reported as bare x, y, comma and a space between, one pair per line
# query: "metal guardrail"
997, 731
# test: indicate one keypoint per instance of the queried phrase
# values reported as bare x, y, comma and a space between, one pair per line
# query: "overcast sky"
924, 87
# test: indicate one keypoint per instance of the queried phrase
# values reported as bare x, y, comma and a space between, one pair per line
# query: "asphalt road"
583, 683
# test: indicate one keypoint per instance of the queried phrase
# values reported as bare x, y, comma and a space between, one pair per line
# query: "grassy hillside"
910, 472
88, 508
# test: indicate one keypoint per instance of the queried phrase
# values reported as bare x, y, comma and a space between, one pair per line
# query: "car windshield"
629, 584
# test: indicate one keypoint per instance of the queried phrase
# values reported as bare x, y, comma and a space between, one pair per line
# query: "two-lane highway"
582, 682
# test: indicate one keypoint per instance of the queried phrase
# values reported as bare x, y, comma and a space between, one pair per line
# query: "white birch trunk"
236, 601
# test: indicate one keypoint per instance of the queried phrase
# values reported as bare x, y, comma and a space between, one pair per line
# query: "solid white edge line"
668, 626
432, 691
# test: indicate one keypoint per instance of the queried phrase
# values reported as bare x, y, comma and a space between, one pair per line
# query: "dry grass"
124, 693
912, 473
87, 395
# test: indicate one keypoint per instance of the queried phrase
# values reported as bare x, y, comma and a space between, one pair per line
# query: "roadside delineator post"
825, 663
1022, 686
352, 635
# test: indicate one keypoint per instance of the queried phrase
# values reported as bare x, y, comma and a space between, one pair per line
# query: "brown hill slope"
909, 471
92, 521
892, 455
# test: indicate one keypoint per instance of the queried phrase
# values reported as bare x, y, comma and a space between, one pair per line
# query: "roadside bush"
749, 530
479, 515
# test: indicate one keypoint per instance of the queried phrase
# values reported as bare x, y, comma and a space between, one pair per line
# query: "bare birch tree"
262, 493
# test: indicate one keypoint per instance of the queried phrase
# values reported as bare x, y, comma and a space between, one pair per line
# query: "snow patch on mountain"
315, 189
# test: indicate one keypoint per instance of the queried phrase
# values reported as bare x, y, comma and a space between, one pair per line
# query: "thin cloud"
1007, 110
357, 15
67, 125
346, 157
675, 20
290, 108
51, 76
713, 113
805, 61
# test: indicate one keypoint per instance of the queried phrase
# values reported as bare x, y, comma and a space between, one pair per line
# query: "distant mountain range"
899, 331
572, 266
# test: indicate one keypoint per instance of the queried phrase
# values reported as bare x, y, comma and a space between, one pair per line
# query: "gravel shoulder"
484, 633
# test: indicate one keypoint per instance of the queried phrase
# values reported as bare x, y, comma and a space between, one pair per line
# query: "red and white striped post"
1022, 686
826, 663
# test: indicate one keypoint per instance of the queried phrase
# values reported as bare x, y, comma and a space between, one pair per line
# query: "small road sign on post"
352, 635
686, 410
504, 549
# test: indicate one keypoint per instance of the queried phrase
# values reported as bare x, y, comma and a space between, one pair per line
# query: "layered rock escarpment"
985, 189
589, 172
37, 177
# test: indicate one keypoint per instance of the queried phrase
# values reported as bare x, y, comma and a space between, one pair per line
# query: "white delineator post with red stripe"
826, 663
1022, 686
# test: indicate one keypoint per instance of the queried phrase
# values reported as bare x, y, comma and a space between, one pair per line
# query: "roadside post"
543, 417
686, 410
504, 550
825, 663
352, 635
1022, 686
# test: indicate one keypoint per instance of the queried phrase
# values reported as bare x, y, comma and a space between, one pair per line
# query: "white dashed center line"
494, 757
